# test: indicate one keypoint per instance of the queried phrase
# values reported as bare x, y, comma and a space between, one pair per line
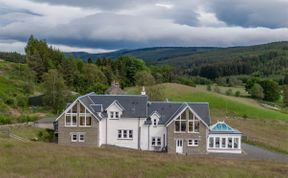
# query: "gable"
184, 110
115, 106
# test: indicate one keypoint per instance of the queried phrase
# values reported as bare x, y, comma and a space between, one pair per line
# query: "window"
74, 109
223, 143
180, 123
229, 142
193, 123
211, 142
77, 137
236, 142
125, 134
70, 120
154, 122
193, 142
81, 138
88, 121
130, 133
111, 114
114, 115
217, 142
82, 120
156, 141
74, 138
85, 121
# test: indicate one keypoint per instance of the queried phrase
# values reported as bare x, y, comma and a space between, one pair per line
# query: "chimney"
143, 92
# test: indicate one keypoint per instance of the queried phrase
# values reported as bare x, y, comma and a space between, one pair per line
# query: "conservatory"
223, 139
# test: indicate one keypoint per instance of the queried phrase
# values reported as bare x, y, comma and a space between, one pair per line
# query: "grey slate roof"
168, 110
135, 106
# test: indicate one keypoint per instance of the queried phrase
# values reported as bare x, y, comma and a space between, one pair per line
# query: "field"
38, 159
263, 127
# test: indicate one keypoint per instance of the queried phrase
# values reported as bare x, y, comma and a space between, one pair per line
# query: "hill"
266, 59
149, 55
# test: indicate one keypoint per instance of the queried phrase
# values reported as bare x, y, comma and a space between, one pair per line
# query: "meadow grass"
232, 107
39, 159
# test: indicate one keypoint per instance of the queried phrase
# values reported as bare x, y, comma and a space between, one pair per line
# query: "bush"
22, 101
26, 118
10, 101
208, 88
237, 93
217, 89
228, 92
46, 136
4, 120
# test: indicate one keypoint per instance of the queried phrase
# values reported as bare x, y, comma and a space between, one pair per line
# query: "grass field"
37, 159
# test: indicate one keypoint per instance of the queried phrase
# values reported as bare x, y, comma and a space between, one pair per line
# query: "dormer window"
155, 122
114, 115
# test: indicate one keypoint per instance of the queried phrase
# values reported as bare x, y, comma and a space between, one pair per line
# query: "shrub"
208, 88
22, 101
228, 92
217, 89
10, 101
46, 136
4, 120
26, 118
237, 93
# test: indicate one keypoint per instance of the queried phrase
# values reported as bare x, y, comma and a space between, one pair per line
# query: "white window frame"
72, 137
114, 115
78, 135
180, 121
125, 134
193, 142
193, 121
156, 141
71, 115
155, 122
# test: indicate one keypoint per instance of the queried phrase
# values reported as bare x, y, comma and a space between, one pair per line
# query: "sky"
97, 26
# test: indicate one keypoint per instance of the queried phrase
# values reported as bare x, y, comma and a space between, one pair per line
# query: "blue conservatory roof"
222, 127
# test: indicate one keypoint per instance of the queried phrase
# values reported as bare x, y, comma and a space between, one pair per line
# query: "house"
132, 121
45, 123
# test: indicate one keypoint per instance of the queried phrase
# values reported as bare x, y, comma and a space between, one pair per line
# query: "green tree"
55, 94
271, 90
90, 61
127, 67
257, 91
155, 93
144, 78
285, 95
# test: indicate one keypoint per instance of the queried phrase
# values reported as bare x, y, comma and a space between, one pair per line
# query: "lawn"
233, 106
37, 159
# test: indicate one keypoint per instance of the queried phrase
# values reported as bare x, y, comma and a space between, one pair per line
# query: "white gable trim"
192, 112
117, 104
155, 113
89, 110
70, 107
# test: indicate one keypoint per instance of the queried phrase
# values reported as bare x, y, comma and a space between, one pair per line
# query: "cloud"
252, 13
109, 25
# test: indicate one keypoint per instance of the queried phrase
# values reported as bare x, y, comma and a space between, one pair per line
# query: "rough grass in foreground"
52, 160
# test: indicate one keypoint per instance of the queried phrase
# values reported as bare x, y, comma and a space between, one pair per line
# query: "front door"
179, 146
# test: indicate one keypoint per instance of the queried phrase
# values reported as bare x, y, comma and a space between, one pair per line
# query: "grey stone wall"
201, 136
91, 133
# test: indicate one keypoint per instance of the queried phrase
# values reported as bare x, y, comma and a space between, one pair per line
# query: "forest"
254, 67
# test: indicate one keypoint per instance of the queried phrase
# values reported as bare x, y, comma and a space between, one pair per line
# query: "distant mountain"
147, 54
266, 59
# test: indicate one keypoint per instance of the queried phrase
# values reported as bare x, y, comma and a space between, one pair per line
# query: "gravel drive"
251, 152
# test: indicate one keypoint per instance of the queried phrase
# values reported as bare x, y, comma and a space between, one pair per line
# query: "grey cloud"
252, 13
